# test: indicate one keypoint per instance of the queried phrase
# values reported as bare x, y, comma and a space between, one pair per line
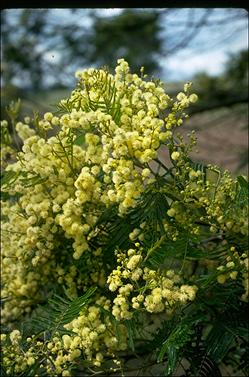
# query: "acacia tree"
109, 253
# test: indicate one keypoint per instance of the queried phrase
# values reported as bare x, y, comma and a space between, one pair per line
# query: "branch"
187, 39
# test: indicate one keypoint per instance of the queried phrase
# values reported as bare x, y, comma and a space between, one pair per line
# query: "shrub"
110, 253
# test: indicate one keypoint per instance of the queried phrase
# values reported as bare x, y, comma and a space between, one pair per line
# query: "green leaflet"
161, 334
219, 341
208, 368
5, 136
152, 208
131, 328
66, 106
244, 184
198, 166
181, 249
166, 250
173, 345
80, 140
60, 311
242, 192
9, 177
109, 102
105, 313
3, 371
229, 326
118, 235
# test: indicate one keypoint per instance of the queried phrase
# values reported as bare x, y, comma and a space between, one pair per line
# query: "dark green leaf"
219, 342
179, 336
8, 177
80, 140
208, 368
244, 184
131, 328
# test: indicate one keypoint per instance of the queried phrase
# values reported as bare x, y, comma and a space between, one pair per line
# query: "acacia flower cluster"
81, 172
156, 291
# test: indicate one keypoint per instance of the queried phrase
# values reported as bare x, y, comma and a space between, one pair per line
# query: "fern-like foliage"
183, 338
26, 179
242, 194
152, 207
58, 312
173, 346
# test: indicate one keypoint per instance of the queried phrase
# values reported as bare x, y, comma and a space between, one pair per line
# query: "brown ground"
222, 137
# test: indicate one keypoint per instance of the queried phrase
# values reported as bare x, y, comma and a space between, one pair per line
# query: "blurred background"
42, 49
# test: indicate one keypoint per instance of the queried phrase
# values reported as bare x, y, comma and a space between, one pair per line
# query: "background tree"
23, 57
133, 35
41, 48
228, 89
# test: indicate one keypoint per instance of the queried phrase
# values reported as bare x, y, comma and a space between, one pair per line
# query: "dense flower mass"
87, 201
